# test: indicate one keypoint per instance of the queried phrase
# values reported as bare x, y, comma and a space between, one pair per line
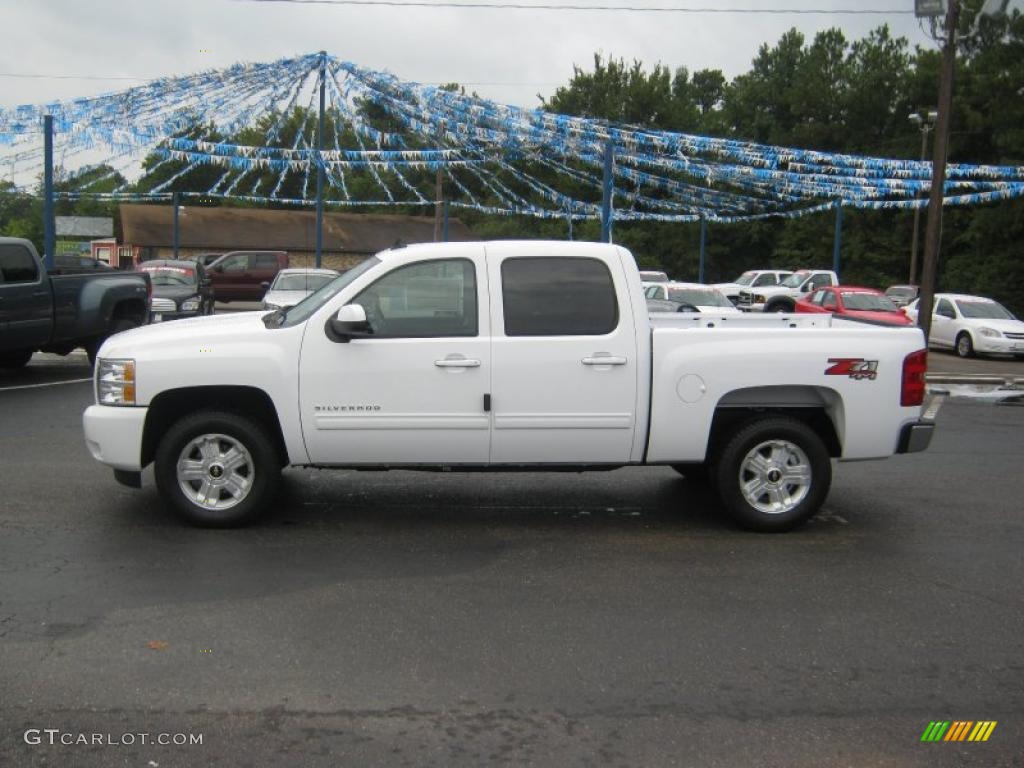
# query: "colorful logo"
855, 367
958, 730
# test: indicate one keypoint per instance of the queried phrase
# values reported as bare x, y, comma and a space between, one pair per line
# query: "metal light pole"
933, 227
925, 121
607, 190
320, 164
176, 236
49, 228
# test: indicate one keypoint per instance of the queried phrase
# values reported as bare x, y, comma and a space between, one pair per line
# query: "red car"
855, 303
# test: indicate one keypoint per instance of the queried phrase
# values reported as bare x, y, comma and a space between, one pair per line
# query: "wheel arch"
168, 406
820, 408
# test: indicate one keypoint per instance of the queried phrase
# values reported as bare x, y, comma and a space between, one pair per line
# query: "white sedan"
291, 286
692, 297
973, 325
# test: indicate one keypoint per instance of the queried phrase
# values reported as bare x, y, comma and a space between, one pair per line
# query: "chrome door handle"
604, 360
457, 362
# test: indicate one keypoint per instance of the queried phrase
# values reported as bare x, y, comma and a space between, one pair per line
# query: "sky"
54, 49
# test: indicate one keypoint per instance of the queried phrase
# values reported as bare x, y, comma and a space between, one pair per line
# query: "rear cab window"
17, 264
558, 296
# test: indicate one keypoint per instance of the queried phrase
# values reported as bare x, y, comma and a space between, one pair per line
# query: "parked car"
180, 289
70, 263
58, 313
239, 275
973, 325
783, 297
754, 278
696, 296
507, 355
293, 285
653, 276
854, 303
902, 295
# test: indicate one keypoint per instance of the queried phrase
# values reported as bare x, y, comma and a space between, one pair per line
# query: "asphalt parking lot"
541, 619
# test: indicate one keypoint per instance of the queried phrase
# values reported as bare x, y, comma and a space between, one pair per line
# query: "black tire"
800, 501
119, 325
964, 345
778, 307
264, 475
17, 358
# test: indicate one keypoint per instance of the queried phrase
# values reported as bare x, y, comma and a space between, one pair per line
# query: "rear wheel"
15, 359
964, 345
773, 474
119, 325
219, 469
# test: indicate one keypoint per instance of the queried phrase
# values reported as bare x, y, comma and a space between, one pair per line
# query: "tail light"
914, 367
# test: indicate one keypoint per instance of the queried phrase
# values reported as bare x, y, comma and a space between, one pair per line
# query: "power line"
574, 7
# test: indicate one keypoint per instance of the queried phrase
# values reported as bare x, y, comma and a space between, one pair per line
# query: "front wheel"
779, 307
219, 469
773, 474
964, 345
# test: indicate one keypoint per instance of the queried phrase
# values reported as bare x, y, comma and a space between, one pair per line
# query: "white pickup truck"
503, 355
783, 297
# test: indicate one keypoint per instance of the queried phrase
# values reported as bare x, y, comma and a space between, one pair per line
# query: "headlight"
990, 332
190, 305
759, 299
115, 382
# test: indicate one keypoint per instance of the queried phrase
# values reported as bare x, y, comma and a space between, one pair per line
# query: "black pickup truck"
54, 312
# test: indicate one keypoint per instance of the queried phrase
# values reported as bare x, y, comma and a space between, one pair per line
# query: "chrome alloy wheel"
775, 476
215, 471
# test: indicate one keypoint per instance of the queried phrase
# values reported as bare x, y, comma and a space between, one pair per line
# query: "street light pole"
933, 227
925, 120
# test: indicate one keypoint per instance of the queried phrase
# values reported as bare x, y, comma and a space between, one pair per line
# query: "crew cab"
55, 312
503, 356
783, 297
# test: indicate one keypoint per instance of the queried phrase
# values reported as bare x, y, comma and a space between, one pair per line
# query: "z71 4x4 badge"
854, 367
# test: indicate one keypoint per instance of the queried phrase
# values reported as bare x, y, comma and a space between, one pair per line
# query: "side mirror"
350, 323
265, 285
218, 268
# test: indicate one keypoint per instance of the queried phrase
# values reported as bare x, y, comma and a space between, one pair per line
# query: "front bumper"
998, 345
113, 435
161, 317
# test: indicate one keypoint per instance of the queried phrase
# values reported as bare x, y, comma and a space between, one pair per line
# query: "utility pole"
925, 121
933, 226
320, 164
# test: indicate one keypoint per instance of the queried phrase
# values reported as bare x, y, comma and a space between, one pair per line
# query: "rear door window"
558, 296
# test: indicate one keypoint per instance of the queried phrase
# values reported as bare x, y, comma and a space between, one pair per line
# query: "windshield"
300, 282
901, 291
795, 280
745, 279
171, 275
698, 298
984, 310
301, 311
869, 302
